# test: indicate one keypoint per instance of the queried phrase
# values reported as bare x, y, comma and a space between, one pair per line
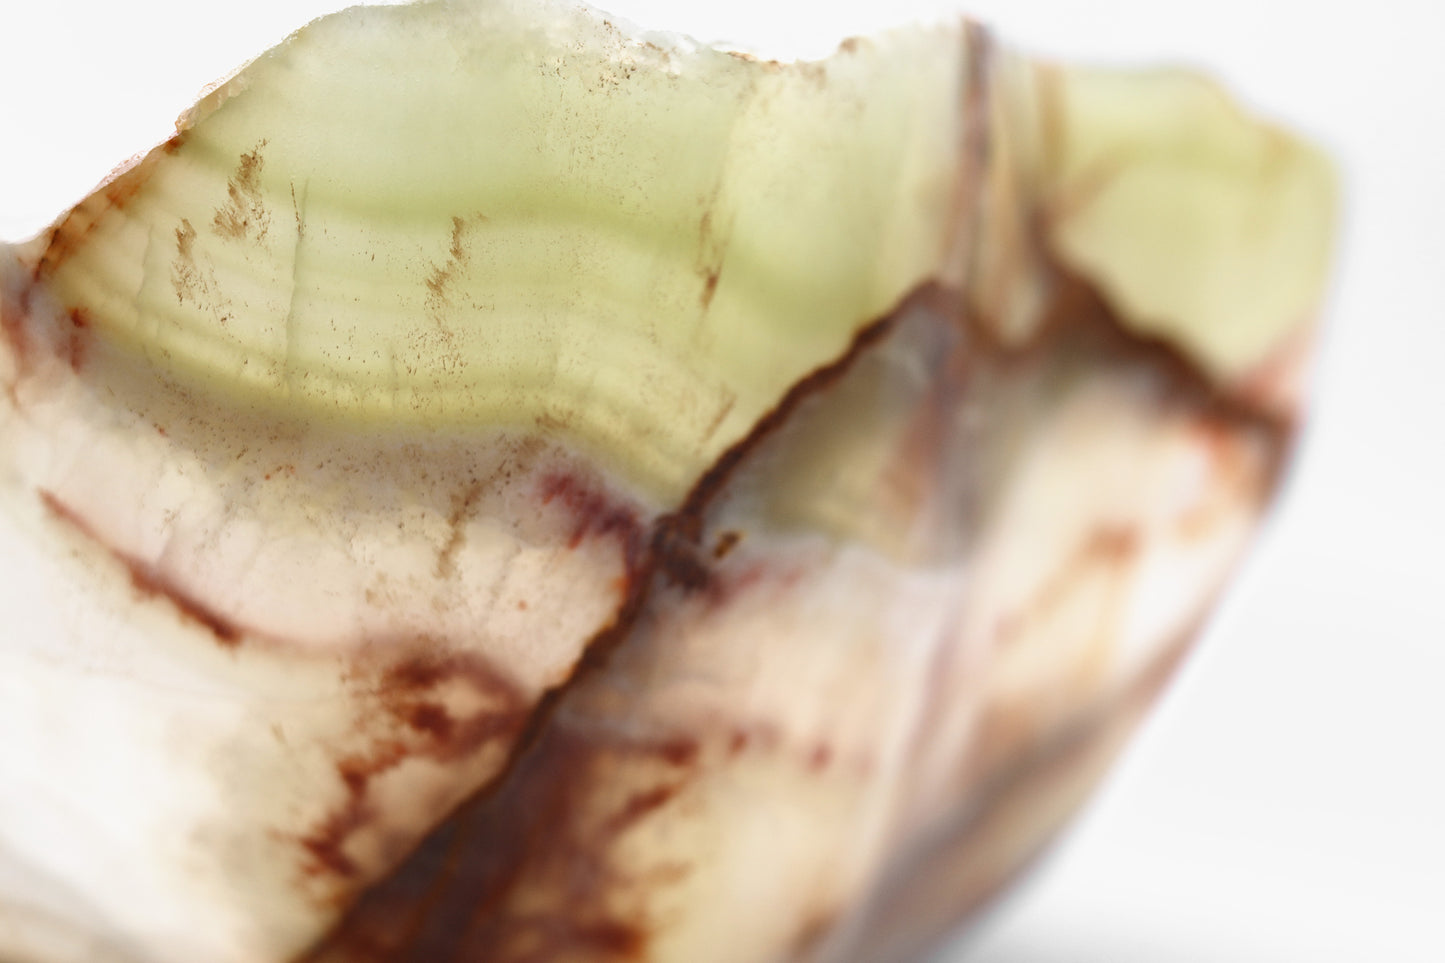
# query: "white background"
1287, 803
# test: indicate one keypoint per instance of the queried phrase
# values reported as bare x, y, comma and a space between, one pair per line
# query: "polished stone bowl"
499, 485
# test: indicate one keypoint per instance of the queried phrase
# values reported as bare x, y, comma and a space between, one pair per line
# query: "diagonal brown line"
433, 870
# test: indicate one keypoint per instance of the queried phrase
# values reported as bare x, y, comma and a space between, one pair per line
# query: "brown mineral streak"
462, 512
447, 900
147, 580
442, 902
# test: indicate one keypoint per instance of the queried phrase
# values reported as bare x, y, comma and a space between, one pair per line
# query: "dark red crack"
151, 582
1081, 319
448, 900
443, 901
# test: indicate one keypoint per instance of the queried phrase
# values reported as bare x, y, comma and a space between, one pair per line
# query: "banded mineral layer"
502, 485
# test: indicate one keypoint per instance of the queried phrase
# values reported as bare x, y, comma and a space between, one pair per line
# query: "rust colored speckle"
439, 279
186, 277
442, 274
244, 213
150, 582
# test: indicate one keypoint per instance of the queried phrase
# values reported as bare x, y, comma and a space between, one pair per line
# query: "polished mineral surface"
501, 485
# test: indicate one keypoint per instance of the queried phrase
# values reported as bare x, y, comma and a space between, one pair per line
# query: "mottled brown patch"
430, 719
412, 693
677, 557
531, 872
325, 845
244, 212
